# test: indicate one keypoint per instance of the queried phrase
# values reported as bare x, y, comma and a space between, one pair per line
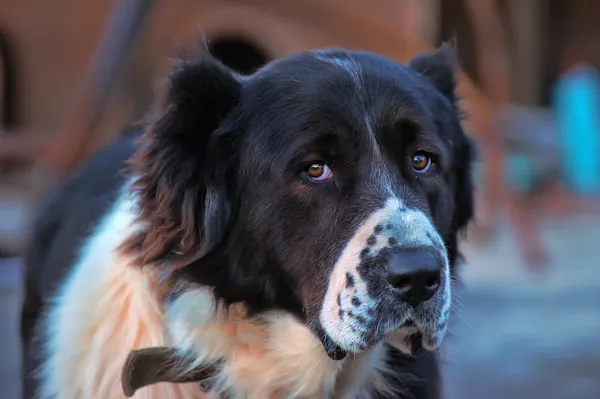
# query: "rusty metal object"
67, 149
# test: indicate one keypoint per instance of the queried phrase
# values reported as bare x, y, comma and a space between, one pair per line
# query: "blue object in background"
520, 173
533, 156
577, 102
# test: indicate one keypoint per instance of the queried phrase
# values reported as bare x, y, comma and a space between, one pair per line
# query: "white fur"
104, 310
348, 64
108, 308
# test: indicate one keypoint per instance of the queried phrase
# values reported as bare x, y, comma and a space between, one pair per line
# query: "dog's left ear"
183, 169
440, 67
464, 197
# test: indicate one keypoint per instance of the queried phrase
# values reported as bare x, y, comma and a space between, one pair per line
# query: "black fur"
223, 185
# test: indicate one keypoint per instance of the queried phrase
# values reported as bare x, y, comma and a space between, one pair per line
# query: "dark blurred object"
8, 93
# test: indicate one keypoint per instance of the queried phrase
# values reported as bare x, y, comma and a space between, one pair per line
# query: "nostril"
402, 283
433, 281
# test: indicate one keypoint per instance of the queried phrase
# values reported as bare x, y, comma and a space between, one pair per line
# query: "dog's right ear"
182, 167
440, 67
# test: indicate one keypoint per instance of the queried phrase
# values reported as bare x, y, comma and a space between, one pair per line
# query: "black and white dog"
295, 229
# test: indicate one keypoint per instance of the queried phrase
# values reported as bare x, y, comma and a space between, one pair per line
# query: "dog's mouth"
333, 350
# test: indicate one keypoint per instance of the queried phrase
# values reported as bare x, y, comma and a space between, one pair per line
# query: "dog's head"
330, 184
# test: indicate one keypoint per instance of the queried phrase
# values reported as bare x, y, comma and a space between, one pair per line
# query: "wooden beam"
491, 49
527, 19
494, 70
423, 17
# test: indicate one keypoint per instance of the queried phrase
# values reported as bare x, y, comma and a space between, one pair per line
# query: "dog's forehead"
338, 83
360, 68
359, 96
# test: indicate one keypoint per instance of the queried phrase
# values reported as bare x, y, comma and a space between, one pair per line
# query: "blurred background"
75, 73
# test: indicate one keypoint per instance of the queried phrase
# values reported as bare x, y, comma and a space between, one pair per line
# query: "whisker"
458, 313
457, 300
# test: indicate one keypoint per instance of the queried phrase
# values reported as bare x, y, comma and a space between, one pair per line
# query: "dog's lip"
333, 350
408, 323
408, 339
416, 344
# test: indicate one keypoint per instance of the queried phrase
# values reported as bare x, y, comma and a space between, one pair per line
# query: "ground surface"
524, 336
520, 336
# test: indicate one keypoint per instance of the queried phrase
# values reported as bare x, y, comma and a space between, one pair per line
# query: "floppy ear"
440, 68
181, 168
464, 196
464, 193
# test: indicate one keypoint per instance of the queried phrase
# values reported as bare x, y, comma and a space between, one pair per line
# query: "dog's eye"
420, 162
319, 171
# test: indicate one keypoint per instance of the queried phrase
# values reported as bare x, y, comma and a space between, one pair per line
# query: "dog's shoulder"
71, 212
61, 226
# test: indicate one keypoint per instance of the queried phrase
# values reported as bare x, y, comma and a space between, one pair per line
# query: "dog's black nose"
415, 274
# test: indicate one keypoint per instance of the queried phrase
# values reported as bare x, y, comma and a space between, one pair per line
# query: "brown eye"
319, 171
420, 162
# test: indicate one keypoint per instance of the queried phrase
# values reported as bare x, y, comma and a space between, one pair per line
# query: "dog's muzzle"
391, 282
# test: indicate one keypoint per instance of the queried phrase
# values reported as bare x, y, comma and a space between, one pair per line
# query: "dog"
291, 234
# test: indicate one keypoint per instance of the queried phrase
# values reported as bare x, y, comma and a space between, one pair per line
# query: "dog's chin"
409, 335
408, 340
412, 341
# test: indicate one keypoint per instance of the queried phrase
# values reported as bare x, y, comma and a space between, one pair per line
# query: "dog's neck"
232, 309
236, 276
291, 360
